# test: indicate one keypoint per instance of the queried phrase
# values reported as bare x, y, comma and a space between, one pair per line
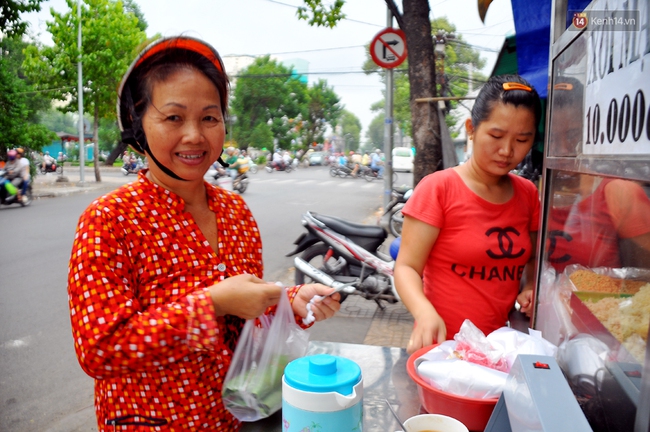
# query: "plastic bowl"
473, 413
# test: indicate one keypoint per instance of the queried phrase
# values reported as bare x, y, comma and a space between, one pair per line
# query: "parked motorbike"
399, 196
52, 167
275, 166
349, 254
8, 197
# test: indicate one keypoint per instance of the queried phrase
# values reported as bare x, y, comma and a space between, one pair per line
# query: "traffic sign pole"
388, 127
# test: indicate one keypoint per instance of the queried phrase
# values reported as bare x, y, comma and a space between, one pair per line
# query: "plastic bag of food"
253, 385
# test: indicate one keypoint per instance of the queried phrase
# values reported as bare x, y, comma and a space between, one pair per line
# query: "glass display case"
593, 289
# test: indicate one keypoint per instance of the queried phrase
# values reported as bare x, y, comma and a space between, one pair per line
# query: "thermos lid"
323, 373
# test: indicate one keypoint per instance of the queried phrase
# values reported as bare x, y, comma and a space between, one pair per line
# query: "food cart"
593, 288
593, 273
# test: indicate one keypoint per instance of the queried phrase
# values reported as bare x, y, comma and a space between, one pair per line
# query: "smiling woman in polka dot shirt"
164, 271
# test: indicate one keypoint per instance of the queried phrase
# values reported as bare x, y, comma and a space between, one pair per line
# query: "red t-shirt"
588, 232
476, 264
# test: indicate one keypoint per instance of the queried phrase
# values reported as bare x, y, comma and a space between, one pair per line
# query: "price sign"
617, 95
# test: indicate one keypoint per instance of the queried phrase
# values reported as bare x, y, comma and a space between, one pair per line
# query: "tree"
10, 23
19, 103
110, 38
350, 130
375, 133
270, 97
323, 110
414, 21
267, 92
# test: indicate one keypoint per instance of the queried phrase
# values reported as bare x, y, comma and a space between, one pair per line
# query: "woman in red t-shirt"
469, 232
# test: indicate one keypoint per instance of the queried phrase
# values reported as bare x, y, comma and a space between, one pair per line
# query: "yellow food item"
585, 280
626, 319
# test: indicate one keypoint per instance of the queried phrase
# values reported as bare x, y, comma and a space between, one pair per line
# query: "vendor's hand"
322, 309
245, 296
525, 300
428, 329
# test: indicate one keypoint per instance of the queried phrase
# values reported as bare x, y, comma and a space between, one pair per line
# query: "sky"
260, 27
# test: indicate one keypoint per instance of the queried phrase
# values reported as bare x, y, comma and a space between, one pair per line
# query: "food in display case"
626, 318
587, 280
622, 305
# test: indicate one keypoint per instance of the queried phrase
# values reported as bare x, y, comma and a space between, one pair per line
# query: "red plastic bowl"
473, 413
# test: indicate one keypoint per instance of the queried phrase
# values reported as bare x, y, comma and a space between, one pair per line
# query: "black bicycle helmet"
158, 53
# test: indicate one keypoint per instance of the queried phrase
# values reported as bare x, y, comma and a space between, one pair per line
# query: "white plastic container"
322, 390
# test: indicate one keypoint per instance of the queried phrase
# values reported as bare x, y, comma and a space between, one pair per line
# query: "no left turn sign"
388, 48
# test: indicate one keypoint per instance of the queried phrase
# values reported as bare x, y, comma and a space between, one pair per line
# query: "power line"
473, 46
310, 73
315, 50
345, 18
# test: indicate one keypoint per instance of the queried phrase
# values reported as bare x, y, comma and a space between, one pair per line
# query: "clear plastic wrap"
252, 388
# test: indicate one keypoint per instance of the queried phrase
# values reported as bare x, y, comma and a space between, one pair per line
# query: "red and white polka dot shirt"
142, 318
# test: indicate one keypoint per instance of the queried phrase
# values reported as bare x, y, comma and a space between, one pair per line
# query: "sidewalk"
54, 184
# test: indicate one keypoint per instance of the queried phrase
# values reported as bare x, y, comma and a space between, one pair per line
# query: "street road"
42, 387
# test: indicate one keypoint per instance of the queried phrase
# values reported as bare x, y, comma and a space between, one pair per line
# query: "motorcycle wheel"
315, 255
27, 198
253, 169
369, 176
396, 222
288, 168
269, 169
333, 172
241, 187
59, 169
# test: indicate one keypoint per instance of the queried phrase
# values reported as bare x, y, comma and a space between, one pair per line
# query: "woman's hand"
322, 309
525, 300
245, 296
428, 329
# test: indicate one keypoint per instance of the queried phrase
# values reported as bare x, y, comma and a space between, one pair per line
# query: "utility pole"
80, 97
439, 51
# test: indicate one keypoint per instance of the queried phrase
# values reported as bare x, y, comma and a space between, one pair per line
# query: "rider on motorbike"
376, 164
16, 172
277, 159
25, 171
47, 161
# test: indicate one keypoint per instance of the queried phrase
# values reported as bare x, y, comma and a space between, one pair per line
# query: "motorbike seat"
351, 229
401, 189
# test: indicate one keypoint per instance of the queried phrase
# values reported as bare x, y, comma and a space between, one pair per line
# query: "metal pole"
388, 127
80, 97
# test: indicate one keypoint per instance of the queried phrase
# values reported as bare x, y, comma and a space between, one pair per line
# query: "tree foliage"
10, 23
110, 38
274, 107
350, 130
414, 21
316, 13
19, 103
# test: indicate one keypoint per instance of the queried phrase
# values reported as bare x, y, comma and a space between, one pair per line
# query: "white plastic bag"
252, 388
445, 369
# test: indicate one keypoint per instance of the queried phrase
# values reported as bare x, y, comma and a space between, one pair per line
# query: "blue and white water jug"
322, 393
